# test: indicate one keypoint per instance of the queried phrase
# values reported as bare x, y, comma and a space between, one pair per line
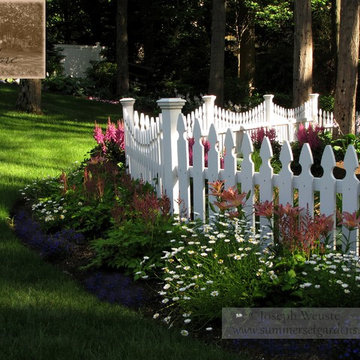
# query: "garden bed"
116, 287
106, 230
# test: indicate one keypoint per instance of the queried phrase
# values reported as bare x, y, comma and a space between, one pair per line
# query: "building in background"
77, 58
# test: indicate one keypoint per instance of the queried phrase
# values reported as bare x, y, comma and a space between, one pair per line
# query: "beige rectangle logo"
22, 39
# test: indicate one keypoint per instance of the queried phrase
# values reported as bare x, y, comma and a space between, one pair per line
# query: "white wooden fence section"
158, 149
267, 115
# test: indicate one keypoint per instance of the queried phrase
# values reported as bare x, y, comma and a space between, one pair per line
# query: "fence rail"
157, 151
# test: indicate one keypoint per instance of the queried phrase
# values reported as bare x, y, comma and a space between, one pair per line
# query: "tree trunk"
346, 80
335, 31
122, 60
303, 52
247, 58
29, 98
216, 80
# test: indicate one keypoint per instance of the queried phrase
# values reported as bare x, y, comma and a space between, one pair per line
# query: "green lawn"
44, 314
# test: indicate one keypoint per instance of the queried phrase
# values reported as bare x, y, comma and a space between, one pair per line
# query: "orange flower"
223, 205
232, 196
216, 188
351, 221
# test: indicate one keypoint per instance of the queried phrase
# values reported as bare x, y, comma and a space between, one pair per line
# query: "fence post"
314, 101
269, 110
128, 116
209, 101
171, 110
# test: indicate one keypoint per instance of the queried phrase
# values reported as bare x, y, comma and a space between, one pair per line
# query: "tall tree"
303, 52
346, 80
335, 24
241, 40
122, 58
29, 98
216, 81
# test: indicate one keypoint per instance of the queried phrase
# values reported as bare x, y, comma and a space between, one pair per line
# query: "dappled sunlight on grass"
44, 314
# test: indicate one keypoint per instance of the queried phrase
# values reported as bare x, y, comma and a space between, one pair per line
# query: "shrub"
103, 76
68, 85
143, 226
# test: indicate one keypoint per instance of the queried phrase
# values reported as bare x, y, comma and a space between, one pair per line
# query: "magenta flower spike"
110, 131
98, 134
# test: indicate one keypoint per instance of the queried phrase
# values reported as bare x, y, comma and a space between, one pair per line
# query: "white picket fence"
267, 115
157, 152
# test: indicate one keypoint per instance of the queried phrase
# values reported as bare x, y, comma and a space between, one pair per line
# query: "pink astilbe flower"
309, 135
110, 131
206, 144
191, 142
113, 136
120, 136
258, 135
98, 134
222, 162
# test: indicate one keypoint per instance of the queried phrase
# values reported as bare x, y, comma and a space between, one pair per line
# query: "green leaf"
291, 273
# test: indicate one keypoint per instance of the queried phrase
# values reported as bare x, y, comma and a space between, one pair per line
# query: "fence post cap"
268, 96
209, 98
126, 101
314, 95
171, 103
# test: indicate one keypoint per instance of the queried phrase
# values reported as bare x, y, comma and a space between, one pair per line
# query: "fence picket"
183, 173
229, 160
328, 190
285, 183
306, 181
213, 161
246, 177
198, 173
265, 176
350, 191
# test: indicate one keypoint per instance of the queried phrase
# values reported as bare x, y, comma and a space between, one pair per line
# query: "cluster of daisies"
199, 261
208, 262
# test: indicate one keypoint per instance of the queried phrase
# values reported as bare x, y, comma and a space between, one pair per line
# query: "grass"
44, 314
